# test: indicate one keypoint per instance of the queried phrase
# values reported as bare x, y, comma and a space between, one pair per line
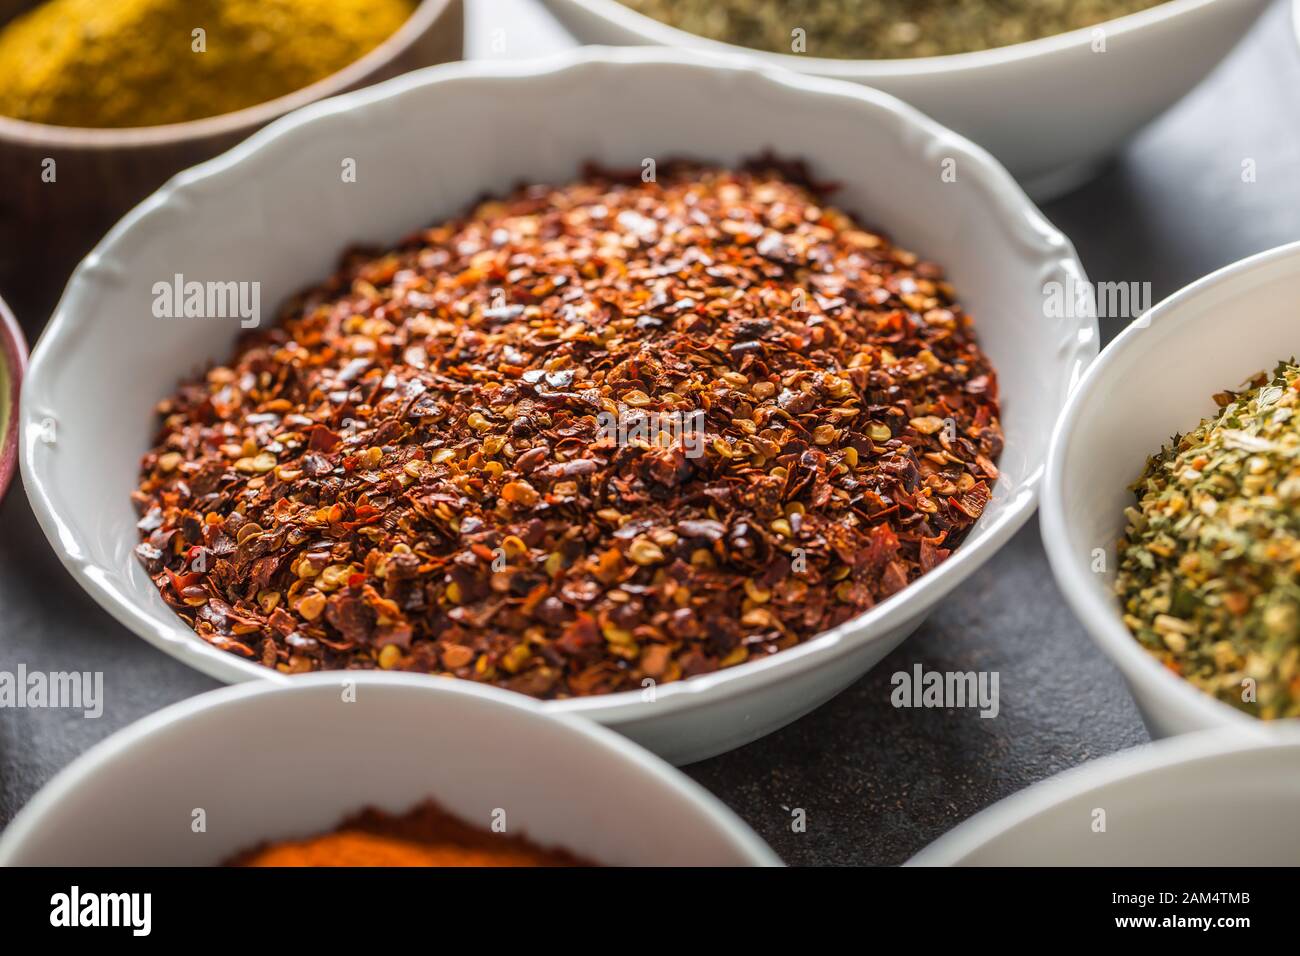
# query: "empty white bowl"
266, 763
274, 210
1208, 799
1157, 379
1051, 109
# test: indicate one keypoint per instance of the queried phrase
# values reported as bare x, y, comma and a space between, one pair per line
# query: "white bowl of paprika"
208, 779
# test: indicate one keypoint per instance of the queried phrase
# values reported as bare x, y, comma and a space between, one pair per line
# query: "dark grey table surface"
877, 783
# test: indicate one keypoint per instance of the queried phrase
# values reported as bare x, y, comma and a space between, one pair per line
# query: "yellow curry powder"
141, 63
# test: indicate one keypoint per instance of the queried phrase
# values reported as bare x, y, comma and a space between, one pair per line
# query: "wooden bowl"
47, 227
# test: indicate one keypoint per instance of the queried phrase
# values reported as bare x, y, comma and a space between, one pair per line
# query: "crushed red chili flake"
409, 471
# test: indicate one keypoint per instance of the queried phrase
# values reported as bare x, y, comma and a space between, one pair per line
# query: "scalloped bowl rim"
912, 602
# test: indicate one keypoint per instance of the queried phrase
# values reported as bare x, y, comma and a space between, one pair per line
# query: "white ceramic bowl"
1207, 799
273, 210
1051, 110
1155, 380
266, 762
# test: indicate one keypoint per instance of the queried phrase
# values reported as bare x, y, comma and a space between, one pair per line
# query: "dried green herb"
882, 29
1209, 575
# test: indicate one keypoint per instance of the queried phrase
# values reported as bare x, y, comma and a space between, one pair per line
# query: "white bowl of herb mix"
1213, 798
1035, 83
684, 446
1171, 513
